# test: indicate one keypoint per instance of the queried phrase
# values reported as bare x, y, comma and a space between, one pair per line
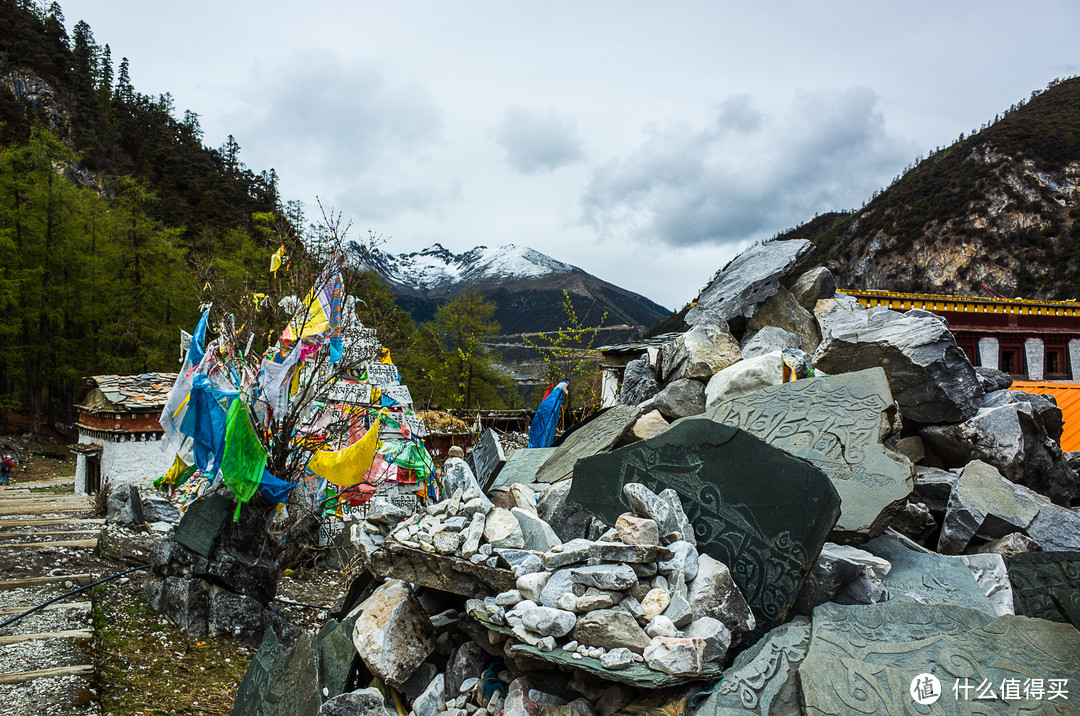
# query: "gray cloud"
538, 141
353, 126
738, 114
748, 175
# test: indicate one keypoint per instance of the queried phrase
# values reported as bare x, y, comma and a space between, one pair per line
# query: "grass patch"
146, 665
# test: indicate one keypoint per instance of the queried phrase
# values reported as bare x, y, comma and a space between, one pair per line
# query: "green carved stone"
863, 660
838, 423
1037, 576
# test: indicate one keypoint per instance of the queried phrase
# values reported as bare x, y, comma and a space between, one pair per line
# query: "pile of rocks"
214, 576
639, 593
679, 538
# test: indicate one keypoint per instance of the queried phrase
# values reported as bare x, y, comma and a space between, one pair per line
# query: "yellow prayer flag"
178, 468
275, 264
347, 467
314, 318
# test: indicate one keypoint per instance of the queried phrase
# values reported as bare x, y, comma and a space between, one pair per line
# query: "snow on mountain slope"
435, 267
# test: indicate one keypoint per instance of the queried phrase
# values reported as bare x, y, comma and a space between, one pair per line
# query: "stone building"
119, 434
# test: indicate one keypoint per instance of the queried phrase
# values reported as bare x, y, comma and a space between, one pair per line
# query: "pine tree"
124, 91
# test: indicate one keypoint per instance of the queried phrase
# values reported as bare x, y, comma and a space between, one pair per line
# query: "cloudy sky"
644, 142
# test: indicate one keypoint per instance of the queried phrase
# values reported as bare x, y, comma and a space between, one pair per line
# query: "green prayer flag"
244, 459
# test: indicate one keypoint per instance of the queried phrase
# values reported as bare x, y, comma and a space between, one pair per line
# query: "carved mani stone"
925, 577
1036, 578
760, 511
863, 659
762, 679
837, 423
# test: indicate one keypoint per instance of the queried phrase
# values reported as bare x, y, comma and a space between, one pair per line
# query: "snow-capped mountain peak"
436, 267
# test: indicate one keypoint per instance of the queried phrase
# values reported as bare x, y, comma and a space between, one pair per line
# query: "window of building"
1055, 362
1010, 362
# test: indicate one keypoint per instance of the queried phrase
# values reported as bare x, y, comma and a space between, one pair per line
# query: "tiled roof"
131, 392
1067, 396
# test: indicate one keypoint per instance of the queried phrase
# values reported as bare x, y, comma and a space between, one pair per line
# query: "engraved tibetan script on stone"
763, 513
863, 659
838, 423
1037, 577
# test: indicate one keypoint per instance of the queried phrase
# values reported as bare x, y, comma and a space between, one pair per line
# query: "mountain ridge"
525, 284
998, 210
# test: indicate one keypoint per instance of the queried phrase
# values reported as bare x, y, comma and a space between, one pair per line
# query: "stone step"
78, 543
80, 579
5, 534
64, 634
22, 676
42, 508
82, 606
40, 521
31, 501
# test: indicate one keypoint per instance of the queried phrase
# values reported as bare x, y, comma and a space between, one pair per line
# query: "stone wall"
130, 461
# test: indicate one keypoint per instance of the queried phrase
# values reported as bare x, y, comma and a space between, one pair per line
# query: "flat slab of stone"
838, 424
440, 571
637, 674
925, 577
1037, 576
751, 277
598, 435
762, 512
203, 522
487, 458
521, 467
984, 503
19, 677
863, 659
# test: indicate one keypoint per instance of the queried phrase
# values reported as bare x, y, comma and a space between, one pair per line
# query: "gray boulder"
783, 311
1013, 438
812, 286
992, 379
364, 702
745, 377
930, 377
846, 575
639, 382
159, 509
751, 277
611, 629
699, 353
393, 634
985, 503
124, 506
682, 398
766, 340
568, 520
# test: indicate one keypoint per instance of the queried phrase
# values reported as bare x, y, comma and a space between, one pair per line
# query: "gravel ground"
69, 616
60, 696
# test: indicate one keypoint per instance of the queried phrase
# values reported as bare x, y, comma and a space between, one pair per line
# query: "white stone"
677, 657
745, 377
989, 352
531, 585
990, 572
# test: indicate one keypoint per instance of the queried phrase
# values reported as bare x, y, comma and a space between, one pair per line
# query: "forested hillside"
113, 216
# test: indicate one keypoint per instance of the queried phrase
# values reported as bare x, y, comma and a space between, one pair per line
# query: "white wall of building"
138, 462
1035, 351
